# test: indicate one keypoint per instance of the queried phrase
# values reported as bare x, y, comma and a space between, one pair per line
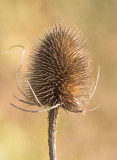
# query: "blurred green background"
90, 137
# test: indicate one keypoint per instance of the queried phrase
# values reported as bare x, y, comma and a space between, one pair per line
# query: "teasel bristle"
59, 70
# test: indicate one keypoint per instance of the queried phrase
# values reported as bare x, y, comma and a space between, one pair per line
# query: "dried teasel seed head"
59, 70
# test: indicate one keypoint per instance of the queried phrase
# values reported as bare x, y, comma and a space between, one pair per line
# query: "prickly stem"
52, 116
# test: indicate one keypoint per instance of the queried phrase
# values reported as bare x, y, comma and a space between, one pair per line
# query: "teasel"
59, 75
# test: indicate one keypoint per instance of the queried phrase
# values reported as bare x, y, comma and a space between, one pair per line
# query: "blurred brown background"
90, 137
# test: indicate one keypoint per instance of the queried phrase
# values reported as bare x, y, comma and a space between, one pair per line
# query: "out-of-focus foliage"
90, 137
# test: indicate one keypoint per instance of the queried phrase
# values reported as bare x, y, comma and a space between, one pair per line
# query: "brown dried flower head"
59, 71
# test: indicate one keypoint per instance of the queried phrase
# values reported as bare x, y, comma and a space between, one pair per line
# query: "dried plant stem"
52, 116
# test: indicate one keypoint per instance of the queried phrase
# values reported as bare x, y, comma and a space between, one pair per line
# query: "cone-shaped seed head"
59, 69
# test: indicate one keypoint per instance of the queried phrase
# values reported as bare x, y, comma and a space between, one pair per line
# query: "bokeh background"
79, 137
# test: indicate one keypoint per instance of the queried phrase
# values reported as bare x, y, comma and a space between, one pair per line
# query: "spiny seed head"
59, 70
